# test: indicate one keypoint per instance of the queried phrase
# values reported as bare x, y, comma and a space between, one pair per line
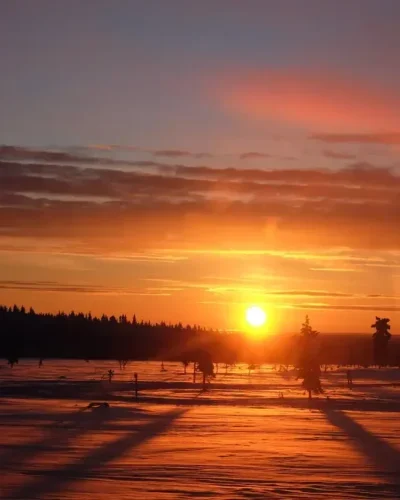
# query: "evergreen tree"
306, 331
308, 365
380, 339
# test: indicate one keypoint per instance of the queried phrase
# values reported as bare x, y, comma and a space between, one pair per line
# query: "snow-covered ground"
250, 436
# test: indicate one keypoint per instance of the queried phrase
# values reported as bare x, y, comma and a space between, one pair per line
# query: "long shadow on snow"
98, 458
62, 431
65, 429
211, 398
379, 452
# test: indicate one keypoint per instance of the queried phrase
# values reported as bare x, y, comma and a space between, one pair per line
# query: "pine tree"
380, 339
308, 366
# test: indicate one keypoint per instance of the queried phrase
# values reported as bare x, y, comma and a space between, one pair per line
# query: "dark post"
136, 385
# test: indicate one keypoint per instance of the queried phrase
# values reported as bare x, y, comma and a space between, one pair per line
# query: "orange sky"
183, 163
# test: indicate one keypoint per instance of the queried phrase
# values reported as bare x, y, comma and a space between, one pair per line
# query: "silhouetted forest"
25, 333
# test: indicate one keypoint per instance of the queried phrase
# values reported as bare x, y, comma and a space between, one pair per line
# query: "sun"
256, 316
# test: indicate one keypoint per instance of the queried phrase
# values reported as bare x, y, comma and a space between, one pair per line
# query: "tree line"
28, 334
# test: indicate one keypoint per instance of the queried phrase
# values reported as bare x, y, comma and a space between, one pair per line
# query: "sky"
184, 160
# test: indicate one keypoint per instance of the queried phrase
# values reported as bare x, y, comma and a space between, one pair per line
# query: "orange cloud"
388, 139
109, 208
312, 100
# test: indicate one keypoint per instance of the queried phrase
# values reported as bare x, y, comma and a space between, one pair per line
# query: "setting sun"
255, 316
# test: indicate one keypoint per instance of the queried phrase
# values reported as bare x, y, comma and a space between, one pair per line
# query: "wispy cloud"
354, 307
110, 147
310, 99
176, 153
336, 269
337, 155
309, 293
332, 255
179, 206
359, 138
119, 155
55, 287
254, 156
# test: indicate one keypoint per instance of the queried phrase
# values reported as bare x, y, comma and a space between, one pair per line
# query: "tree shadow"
63, 430
98, 458
380, 453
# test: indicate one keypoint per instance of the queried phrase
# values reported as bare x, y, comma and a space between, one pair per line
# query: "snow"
240, 440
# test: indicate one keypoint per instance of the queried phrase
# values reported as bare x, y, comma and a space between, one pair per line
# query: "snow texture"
249, 437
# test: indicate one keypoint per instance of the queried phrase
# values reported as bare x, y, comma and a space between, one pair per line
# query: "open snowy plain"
250, 437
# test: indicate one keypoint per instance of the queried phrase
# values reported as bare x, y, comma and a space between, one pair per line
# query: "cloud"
359, 173
169, 153
126, 226
309, 293
18, 153
380, 185
50, 286
177, 153
253, 156
55, 287
95, 154
343, 256
180, 206
338, 156
336, 269
361, 138
111, 147
84, 155
356, 307
311, 100
172, 153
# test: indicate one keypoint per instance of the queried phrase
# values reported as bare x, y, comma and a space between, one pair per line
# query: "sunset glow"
183, 167
256, 316
200, 249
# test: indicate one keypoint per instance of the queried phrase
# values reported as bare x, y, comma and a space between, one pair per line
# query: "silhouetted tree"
308, 366
380, 339
27, 334
310, 374
307, 330
228, 357
250, 367
122, 363
185, 363
206, 366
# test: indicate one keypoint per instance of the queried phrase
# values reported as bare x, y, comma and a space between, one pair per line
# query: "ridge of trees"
25, 333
